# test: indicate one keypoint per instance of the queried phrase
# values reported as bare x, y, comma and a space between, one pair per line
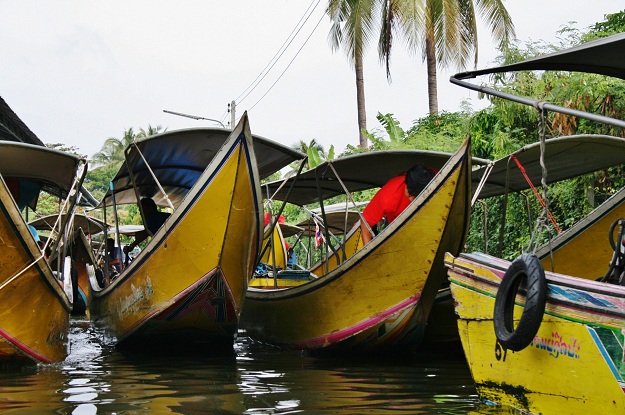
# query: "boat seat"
296, 274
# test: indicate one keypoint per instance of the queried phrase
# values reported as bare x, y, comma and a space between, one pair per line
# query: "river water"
97, 378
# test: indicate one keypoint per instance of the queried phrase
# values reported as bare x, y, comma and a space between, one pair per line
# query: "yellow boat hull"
381, 296
574, 364
188, 284
273, 249
588, 237
34, 316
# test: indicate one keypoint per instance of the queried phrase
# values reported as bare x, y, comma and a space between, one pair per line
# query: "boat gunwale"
553, 279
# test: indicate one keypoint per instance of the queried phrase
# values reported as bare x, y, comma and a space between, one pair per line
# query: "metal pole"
195, 117
233, 117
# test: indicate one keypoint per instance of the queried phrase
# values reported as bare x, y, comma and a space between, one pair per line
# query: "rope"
350, 198
10, 280
478, 190
171, 205
538, 196
484, 224
541, 221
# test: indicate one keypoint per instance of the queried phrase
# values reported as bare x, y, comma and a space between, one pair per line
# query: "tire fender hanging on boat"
524, 267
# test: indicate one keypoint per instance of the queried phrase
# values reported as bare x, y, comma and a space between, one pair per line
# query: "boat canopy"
339, 207
605, 56
130, 230
337, 222
565, 157
50, 170
178, 158
87, 223
357, 172
289, 230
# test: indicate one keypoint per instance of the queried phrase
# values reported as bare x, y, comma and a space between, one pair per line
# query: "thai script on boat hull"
557, 346
138, 294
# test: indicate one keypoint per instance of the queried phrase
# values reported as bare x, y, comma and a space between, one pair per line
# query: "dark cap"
417, 178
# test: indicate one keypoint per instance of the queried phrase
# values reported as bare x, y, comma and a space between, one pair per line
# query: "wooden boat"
379, 296
589, 236
565, 157
536, 340
34, 307
338, 220
79, 249
187, 285
573, 362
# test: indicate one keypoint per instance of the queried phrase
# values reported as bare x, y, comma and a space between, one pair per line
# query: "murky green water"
96, 378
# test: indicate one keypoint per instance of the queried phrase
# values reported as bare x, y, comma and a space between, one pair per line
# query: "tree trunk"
360, 100
430, 56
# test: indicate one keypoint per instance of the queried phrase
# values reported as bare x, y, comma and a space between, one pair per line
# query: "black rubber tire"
528, 267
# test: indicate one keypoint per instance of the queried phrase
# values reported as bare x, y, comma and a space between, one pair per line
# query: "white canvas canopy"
54, 171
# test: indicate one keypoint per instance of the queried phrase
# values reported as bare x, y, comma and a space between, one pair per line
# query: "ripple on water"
251, 379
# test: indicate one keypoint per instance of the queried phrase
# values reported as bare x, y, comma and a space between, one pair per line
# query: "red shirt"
389, 201
281, 219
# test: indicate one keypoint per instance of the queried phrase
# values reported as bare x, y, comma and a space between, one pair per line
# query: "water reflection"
291, 380
96, 378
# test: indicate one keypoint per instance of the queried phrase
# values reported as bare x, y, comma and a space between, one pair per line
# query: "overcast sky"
79, 72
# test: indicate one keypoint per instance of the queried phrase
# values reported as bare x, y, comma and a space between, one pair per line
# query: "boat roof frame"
603, 57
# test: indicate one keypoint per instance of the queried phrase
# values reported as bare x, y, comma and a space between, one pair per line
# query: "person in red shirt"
281, 219
394, 197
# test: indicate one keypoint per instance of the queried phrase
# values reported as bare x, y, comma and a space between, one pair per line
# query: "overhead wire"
272, 62
289, 40
222, 119
289, 65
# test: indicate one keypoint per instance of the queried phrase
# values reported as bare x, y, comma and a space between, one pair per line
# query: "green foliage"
316, 156
330, 155
314, 159
67, 149
613, 24
313, 149
272, 177
46, 205
98, 180
442, 132
150, 131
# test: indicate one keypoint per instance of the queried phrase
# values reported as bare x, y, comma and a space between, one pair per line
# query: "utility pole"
232, 108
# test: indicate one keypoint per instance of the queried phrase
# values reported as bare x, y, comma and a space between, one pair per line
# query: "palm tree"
353, 24
315, 152
150, 131
446, 32
111, 154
